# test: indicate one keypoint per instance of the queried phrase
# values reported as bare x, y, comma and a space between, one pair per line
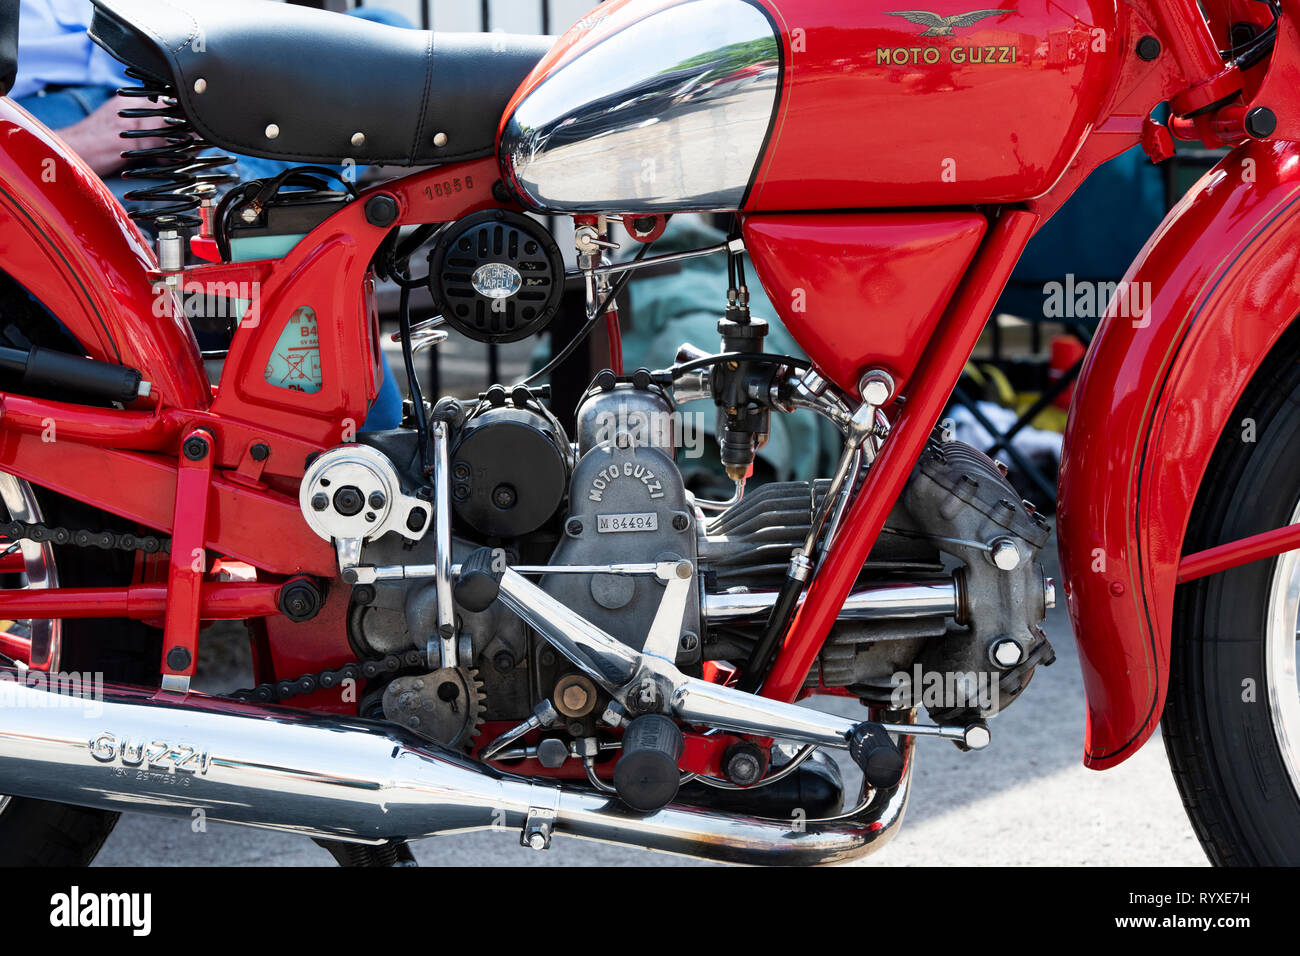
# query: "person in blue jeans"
70, 84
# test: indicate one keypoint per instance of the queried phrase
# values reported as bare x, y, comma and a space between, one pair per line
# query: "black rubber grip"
646, 775
479, 582
43, 368
875, 752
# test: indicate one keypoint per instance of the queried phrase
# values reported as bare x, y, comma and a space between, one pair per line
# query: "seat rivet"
200, 85
358, 139
272, 131
439, 139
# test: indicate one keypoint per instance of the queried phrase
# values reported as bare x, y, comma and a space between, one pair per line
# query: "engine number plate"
641, 521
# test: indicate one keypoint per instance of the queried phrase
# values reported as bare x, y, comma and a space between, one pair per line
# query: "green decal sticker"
295, 362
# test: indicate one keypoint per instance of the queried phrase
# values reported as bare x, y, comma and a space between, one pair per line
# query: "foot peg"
875, 752
479, 582
646, 775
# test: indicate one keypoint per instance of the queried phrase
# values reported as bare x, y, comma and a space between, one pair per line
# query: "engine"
619, 573
954, 586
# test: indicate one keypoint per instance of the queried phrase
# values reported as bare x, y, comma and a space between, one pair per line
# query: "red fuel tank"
883, 105
800, 105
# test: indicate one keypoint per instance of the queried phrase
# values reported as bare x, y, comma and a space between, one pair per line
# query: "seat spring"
174, 168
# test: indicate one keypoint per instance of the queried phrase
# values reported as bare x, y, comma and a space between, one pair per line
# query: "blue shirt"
54, 48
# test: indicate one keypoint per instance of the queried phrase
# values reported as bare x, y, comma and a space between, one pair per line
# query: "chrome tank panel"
668, 112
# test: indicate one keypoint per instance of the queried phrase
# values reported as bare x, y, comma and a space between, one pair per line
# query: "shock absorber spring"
174, 167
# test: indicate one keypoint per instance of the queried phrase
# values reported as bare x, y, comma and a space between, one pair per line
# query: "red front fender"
1155, 394
68, 241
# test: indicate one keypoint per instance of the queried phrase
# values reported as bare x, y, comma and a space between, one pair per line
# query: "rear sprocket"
444, 705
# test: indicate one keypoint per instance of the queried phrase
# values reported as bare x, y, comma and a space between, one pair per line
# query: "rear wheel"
1231, 724
38, 832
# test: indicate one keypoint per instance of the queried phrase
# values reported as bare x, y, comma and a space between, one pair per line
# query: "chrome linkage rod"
647, 681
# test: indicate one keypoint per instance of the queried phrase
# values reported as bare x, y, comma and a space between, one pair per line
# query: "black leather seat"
294, 83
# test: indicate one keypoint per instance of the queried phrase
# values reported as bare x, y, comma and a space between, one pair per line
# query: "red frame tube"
1224, 557
218, 601
930, 387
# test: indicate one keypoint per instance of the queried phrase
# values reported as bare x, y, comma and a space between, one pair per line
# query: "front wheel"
1231, 724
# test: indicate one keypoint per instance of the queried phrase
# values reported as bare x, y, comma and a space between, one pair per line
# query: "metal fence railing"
510, 16
474, 16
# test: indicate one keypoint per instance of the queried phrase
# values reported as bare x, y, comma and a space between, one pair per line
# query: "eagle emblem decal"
943, 26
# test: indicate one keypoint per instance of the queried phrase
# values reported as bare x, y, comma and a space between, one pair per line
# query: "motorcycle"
490, 618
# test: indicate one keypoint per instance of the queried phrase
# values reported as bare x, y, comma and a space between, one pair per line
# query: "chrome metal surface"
350, 779
381, 508
607, 269
860, 447
1004, 554
402, 572
736, 497
442, 544
669, 113
38, 567
814, 393
419, 328
623, 672
1281, 626
911, 599
665, 632
543, 715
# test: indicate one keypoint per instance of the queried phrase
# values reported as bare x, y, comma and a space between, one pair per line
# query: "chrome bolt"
358, 139
200, 85
1005, 653
439, 139
1004, 554
536, 841
977, 737
876, 387
272, 131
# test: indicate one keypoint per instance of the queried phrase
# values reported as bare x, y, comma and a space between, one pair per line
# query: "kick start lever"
627, 674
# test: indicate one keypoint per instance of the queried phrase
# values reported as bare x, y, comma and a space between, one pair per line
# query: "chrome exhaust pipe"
351, 779
938, 597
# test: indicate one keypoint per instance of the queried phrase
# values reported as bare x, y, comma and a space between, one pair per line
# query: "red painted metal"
862, 288
1276, 91
933, 382
1222, 557
218, 601
873, 114
864, 123
65, 236
189, 559
1152, 401
261, 526
16, 647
